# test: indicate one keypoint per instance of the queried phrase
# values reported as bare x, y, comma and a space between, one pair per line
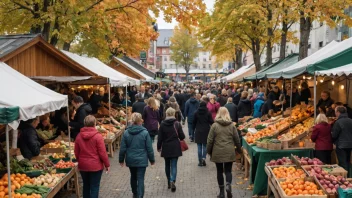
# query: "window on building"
321, 24
165, 58
209, 58
321, 44
204, 59
165, 66
204, 66
309, 46
204, 53
164, 51
274, 48
209, 65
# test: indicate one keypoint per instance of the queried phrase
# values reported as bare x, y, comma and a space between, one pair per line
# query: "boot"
135, 196
203, 162
173, 187
222, 192
168, 185
200, 163
228, 190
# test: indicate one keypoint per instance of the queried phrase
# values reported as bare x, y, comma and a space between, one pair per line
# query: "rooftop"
10, 43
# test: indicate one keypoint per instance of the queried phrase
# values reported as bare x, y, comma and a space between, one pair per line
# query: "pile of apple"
308, 161
282, 161
329, 182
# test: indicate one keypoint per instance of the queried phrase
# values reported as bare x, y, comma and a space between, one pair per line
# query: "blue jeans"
202, 151
137, 180
190, 130
171, 168
91, 183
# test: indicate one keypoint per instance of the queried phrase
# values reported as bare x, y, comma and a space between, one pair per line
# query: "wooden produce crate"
337, 170
331, 195
287, 143
52, 150
282, 194
262, 145
274, 146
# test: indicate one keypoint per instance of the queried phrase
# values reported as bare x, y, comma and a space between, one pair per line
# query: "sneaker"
173, 187
200, 163
203, 162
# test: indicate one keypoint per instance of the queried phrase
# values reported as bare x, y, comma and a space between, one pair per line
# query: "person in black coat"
201, 125
170, 134
94, 102
325, 101
82, 110
29, 142
222, 100
244, 106
132, 93
232, 108
236, 97
139, 105
305, 93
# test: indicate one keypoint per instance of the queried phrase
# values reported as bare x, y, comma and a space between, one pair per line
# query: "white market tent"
239, 74
31, 98
301, 66
339, 71
116, 78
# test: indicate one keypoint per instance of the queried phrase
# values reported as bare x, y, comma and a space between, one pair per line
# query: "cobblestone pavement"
192, 181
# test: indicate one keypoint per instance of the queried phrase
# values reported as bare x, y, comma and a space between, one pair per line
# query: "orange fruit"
308, 188
290, 186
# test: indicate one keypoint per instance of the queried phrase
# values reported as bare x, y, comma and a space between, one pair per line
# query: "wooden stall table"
247, 162
110, 142
73, 173
119, 138
258, 158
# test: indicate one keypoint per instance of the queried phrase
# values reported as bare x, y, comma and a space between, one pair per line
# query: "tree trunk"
36, 29
283, 40
269, 48
55, 38
187, 67
256, 54
305, 25
47, 24
67, 46
238, 63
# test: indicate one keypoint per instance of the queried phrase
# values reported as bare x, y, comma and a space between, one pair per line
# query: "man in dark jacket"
325, 101
29, 141
139, 105
342, 137
181, 100
94, 101
244, 106
191, 107
82, 110
236, 97
232, 108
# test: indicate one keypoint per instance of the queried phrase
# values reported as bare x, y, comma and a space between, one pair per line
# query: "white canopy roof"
32, 98
240, 73
192, 71
301, 66
339, 71
116, 78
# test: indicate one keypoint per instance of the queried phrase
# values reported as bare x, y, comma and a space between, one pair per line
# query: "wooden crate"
283, 194
337, 170
287, 143
262, 145
274, 146
52, 150
332, 195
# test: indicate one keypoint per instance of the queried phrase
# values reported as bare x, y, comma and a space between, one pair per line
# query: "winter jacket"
180, 98
94, 102
132, 95
232, 108
191, 107
244, 108
201, 124
90, 150
341, 132
136, 147
168, 140
325, 103
29, 142
236, 98
139, 106
305, 95
222, 100
151, 119
257, 112
175, 106
322, 136
78, 120
222, 139
213, 109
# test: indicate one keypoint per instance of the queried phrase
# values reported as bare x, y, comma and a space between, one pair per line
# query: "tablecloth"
259, 157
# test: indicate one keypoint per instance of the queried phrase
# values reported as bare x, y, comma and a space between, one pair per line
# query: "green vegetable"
31, 189
15, 166
259, 127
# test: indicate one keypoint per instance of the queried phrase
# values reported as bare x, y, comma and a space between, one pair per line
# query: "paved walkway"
192, 181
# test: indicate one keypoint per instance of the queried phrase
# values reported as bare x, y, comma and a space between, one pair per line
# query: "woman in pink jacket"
91, 156
213, 106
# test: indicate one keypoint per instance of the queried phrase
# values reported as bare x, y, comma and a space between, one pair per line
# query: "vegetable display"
288, 172
18, 180
292, 187
48, 180
308, 161
61, 164
32, 189
282, 161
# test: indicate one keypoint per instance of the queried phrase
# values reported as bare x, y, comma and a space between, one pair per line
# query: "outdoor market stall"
28, 101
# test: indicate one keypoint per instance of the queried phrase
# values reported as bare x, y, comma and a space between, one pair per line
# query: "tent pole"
109, 101
126, 107
69, 132
8, 158
291, 95
315, 96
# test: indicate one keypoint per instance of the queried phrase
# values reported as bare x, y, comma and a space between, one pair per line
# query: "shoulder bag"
184, 146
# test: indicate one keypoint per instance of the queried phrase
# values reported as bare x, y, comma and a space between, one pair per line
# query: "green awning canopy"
337, 60
288, 61
8, 115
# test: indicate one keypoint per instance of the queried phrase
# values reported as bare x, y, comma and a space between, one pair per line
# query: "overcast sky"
164, 25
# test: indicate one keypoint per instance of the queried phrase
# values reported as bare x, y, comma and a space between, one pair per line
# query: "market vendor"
325, 101
82, 110
29, 142
44, 123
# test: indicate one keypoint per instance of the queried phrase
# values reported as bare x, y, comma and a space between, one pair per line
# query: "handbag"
184, 146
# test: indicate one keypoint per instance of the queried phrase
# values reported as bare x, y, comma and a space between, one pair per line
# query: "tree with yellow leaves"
184, 47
